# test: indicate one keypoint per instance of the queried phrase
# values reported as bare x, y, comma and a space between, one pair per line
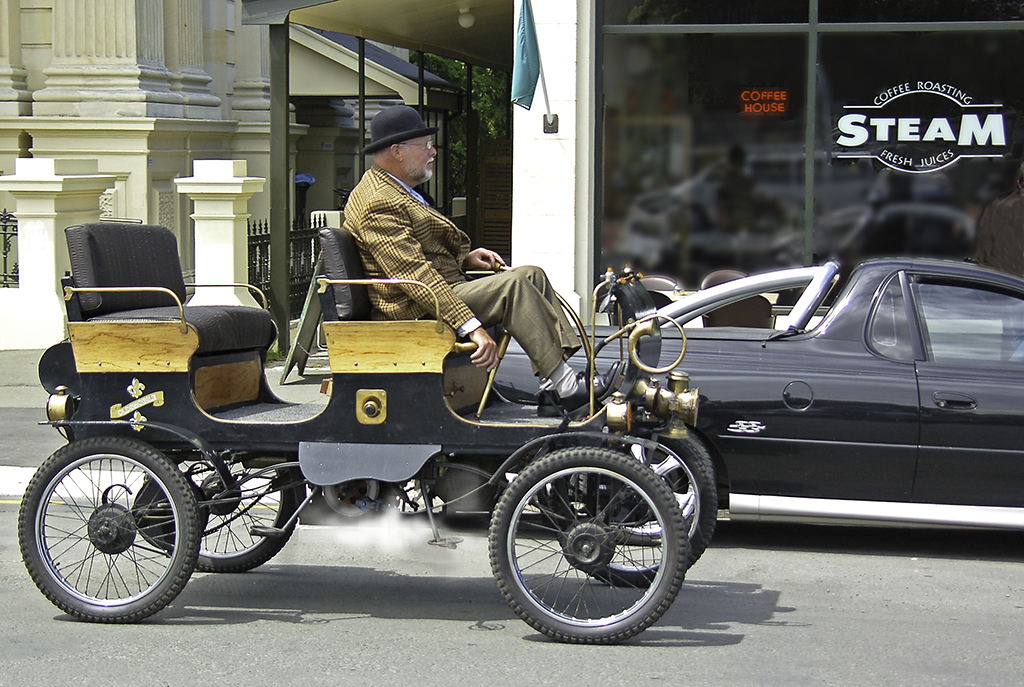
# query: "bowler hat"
394, 125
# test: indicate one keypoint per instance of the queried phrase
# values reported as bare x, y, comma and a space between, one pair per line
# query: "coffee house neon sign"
764, 101
920, 127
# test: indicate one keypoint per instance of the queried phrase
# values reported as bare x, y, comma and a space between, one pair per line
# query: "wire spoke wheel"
262, 498
687, 468
109, 529
563, 529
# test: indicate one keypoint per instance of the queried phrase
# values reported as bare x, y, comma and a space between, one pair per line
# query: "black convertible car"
899, 402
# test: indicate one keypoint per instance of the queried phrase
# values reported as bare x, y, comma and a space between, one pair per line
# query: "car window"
971, 325
889, 329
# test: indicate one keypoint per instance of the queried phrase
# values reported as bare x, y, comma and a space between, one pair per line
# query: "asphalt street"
372, 603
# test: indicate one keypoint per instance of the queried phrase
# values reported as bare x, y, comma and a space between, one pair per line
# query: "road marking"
13, 481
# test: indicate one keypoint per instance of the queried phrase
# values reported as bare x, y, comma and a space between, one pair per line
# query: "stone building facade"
145, 88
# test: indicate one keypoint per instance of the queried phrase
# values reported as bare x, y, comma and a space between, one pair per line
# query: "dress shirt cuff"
468, 326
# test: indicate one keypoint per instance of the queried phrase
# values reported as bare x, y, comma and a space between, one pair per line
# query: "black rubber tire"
265, 498
122, 495
573, 511
689, 471
695, 487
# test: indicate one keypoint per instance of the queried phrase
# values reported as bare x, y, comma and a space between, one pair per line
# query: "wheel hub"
225, 500
589, 547
112, 528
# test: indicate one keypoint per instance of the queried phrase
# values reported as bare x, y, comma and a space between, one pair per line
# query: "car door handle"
954, 400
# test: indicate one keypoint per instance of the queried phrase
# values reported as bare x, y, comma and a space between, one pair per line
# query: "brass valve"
371, 406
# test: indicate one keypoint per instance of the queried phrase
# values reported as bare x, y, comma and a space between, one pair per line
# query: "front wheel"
686, 467
109, 529
562, 528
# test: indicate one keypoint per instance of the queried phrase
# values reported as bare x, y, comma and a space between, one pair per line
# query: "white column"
108, 61
250, 100
545, 199
184, 58
15, 99
50, 195
220, 192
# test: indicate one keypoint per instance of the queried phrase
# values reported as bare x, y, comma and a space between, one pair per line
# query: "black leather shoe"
550, 404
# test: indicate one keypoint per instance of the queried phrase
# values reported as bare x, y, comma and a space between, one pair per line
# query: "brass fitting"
59, 405
371, 406
675, 402
619, 413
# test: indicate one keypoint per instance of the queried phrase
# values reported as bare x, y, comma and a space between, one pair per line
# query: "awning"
327, 64
430, 26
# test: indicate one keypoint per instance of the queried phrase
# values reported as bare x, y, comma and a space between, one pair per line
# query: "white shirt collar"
413, 192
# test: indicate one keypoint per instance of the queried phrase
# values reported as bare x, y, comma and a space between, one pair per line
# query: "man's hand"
483, 259
486, 353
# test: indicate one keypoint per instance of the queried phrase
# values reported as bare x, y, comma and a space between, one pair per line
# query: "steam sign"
920, 127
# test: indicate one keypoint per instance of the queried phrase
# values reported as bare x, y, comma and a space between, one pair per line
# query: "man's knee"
535, 275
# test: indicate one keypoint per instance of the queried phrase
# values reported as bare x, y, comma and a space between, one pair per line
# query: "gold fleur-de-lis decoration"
136, 388
137, 421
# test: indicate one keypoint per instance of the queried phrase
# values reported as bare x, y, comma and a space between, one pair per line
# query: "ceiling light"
466, 18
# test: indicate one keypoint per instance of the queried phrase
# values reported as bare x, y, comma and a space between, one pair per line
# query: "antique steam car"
181, 458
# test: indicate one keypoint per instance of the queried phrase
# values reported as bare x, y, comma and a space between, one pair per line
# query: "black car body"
900, 403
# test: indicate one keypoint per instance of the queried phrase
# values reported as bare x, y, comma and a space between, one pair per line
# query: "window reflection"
971, 326
917, 10
694, 182
889, 330
863, 207
704, 141
796, 11
704, 11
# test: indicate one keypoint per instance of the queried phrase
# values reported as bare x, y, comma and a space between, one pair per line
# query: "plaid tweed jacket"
400, 237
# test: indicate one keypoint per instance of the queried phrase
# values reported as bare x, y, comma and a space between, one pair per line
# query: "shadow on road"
705, 613
982, 545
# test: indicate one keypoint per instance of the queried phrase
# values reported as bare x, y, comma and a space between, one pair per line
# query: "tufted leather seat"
343, 302
134, 255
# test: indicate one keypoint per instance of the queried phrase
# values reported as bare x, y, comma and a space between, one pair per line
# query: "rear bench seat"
223, 349
133, 255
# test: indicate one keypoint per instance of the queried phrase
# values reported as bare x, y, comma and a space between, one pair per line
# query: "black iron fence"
303, 249
9, 248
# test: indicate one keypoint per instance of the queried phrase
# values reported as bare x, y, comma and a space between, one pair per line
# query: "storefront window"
918, 10
706, 137
703, 152
624, 12
924, 132
704, 11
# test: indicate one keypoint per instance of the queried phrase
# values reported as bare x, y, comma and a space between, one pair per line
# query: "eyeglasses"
426, 145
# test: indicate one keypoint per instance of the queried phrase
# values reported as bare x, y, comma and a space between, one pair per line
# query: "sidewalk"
25, 443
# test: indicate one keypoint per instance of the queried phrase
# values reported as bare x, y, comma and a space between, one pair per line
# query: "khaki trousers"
524, 303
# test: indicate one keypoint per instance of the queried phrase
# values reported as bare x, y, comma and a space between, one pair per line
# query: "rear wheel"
263, 498
109, 529
562, 528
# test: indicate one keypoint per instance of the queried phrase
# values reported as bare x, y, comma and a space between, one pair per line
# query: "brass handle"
69, 291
